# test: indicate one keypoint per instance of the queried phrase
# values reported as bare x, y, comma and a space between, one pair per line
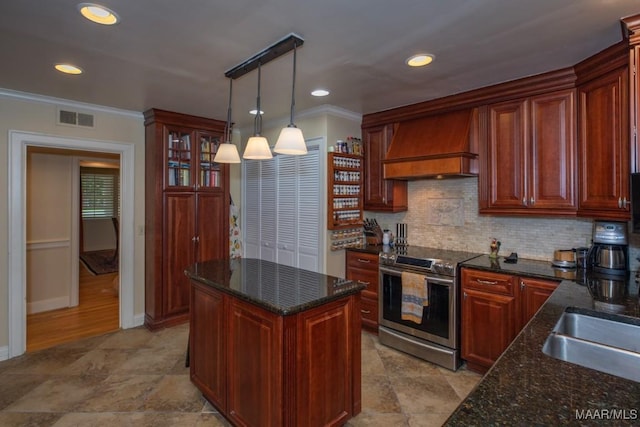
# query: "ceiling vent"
74, 118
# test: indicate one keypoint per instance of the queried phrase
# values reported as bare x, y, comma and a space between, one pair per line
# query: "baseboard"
4, 353
47, 305
138, 320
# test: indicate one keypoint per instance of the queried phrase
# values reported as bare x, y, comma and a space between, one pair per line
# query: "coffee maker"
609, 253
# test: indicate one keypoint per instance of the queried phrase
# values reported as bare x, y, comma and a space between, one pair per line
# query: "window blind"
100, 190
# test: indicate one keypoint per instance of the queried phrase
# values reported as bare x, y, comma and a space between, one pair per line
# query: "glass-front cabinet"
189, 161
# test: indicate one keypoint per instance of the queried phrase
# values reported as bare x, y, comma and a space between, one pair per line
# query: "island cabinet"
362, 268
272, 345
528, 166
186, 209
495, 307
603, 137
380, 195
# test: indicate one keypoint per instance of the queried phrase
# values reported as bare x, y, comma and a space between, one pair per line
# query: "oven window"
435, 316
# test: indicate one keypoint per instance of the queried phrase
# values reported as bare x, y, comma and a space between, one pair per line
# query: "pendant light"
291, 141
228, 152
257, 146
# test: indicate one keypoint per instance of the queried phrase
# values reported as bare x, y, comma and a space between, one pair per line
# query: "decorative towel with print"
414, 296
235, 244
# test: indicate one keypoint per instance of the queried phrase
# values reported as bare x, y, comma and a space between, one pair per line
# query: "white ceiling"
172, 54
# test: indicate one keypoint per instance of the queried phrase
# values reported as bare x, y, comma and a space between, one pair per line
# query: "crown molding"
42, 99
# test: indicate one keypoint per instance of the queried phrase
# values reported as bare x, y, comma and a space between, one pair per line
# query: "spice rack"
345, 180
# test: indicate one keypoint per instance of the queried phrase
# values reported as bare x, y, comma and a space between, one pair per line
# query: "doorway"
18, 143
72, 200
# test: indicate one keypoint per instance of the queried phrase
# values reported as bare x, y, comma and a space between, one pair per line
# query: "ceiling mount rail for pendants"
274, 51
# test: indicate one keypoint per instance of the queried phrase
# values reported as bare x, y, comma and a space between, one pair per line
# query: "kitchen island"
273, 345
527, 387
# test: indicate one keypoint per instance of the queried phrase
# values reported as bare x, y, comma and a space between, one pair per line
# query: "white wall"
49, 202
30, 113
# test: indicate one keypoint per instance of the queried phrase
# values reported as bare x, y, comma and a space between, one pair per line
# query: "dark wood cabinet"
208, 365
495, 307
186, 209
259, 368
380, 195
533, 293
604, 147
528, 166
363, 268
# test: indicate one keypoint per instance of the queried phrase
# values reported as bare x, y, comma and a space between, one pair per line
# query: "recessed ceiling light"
98, 14
68, 69
254, 111
320, 92
420, 60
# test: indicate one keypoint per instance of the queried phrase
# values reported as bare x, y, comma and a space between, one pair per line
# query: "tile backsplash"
444, 214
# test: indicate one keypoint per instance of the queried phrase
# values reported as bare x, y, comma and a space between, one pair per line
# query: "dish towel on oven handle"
414, 296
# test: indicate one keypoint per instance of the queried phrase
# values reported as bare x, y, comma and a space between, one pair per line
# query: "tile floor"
137, 378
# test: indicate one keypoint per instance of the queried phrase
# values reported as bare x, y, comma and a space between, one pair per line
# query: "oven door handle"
430, 279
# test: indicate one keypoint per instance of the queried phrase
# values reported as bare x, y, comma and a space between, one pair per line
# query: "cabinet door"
179, 249
179, 158
380, 194
603, 146
505, 165
210, 175
533, 293
488, 326
213, 228
254, 366
325, 365
553, 148
207, 343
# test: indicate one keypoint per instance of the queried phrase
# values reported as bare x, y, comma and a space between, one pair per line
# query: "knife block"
374, 237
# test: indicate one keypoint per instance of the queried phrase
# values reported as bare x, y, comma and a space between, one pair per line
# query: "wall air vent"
74, 118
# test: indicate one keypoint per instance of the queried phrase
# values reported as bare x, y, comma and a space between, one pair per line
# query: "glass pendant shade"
291, 142
257, 149
227, 153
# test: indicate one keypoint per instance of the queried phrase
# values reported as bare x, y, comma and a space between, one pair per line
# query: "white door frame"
18, 143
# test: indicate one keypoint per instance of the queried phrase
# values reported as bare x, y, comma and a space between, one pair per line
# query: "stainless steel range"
419, 303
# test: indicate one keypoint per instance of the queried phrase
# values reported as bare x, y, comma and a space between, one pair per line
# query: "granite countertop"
281, 289
527, 387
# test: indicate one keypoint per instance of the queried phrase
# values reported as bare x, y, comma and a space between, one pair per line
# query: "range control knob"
443, 268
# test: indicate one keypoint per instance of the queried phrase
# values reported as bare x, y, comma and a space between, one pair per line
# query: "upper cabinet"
603, 136
381, 195
528, 164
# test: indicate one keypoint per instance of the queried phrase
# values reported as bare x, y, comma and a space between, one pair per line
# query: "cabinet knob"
524, 201
620, 202
464, 295
625, 202
532, 201
522, 285
194, 239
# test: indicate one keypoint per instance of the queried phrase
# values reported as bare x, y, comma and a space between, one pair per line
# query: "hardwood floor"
97, 314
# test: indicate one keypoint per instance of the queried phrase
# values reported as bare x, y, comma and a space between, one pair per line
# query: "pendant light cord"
228, 129
257, 122
293, 88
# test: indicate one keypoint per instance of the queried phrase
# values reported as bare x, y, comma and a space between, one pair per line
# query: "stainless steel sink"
584, 338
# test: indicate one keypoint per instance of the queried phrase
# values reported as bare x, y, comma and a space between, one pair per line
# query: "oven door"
438, 317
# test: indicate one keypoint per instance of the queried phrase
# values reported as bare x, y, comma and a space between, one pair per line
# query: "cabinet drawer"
368, 278
487, 281
369, 313
362, 260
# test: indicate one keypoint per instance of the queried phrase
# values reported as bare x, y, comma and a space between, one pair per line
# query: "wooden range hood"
442, 145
